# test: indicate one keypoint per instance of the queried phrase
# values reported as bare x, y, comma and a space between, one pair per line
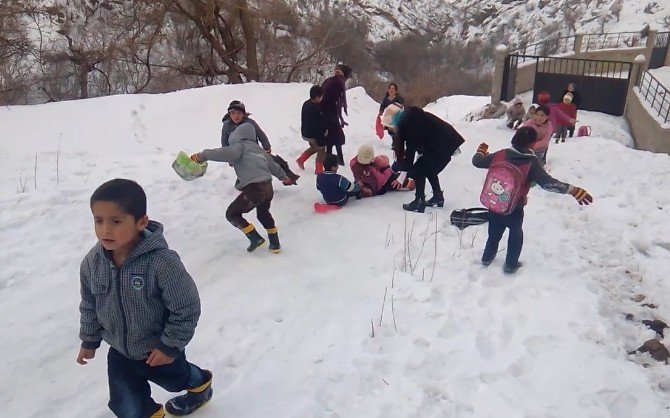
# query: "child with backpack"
137, 296
254, 168
313, 129
511, 172
336, 189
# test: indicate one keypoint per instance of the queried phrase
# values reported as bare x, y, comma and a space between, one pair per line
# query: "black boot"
273, 236
416, 205
255, 238
507, 269
191, 400
436, 200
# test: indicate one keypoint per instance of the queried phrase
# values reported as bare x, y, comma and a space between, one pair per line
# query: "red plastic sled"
379, 128
325, 207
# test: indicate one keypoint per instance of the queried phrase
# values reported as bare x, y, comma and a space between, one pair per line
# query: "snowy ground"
289, 335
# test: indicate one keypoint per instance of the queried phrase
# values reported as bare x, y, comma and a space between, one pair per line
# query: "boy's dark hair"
543, 108
315, 91
346, 70
329, 162
524, 136
126, 193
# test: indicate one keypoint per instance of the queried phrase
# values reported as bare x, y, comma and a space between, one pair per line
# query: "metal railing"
594, 41
656, 95
662, 40
585, 67
546, 48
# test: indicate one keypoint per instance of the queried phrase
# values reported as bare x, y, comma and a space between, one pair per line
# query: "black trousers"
254, 196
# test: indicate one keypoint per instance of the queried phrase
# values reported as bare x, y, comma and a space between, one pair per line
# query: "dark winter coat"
148, 302
229, 127
334, 187
386, 101
312, 122
426, 134
333, 102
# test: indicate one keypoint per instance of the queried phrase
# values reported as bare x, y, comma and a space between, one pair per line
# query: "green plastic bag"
188, 169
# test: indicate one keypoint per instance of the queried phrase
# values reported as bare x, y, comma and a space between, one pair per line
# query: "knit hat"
237, 105
391, 115
365, 154
568, 96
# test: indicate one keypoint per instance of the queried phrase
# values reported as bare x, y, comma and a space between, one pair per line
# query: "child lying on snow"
374, 175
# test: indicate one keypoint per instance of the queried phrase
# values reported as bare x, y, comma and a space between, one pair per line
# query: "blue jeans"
129, 391
497, 225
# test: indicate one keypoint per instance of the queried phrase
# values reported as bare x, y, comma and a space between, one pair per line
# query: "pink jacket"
372, 176
544, 133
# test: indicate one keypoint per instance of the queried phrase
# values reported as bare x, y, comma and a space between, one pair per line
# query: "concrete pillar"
579, 39
651, 40
639, 65
667, 54
500, 54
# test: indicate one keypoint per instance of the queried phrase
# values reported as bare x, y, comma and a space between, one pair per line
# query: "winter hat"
237, 105
568, 96
365, 154
534, 106
391, 115
543, 97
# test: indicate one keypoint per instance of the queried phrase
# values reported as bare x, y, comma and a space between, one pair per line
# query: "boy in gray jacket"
137, 296
254, 168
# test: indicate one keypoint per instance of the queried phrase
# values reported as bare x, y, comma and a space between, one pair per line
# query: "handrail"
548, 47
660, 95
594, 41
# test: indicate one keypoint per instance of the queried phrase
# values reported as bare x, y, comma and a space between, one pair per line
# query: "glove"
483, 148
287, 181
269, 150
195, 157
581, 195
397, 183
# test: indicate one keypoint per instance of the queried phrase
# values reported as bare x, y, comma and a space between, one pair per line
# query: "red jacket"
569, 109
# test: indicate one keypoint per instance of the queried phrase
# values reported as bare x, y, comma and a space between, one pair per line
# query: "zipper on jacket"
123, 311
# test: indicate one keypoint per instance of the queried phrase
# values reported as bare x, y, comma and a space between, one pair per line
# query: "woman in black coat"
433, 139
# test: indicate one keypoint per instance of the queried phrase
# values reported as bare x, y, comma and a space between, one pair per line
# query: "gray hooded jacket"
149, 302
251, 163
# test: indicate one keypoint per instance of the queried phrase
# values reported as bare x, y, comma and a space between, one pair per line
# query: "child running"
137, 296
254, 168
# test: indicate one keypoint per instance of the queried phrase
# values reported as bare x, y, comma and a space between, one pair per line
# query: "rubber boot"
301, 160
416, 205
319, 168
255, 239
436, 200
273, 236
159, 414
193, 399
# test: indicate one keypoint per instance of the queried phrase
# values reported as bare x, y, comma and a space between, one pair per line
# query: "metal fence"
656, 95
596, 41
554, 46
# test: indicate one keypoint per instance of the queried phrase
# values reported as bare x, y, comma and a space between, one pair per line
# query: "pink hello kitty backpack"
506, 184
584, 130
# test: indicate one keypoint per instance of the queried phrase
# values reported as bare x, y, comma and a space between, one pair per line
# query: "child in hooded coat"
515, 113
569, 109
254, 168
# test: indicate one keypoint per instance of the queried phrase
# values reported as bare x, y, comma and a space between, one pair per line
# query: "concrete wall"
627, 55
647, 132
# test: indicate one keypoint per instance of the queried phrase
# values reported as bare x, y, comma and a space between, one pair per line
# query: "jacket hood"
151, 239
244, 132
520, 155
516, 101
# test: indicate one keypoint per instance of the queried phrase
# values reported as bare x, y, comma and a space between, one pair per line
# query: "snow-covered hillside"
289, 335
504, 20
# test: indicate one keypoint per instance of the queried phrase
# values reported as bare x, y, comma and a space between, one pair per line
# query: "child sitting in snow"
254, 168
373, 174
515, 113
138, 297
525, 160
336, 189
